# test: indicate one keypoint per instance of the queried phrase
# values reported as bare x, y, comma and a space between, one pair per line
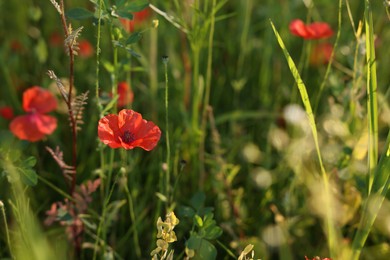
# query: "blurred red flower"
128, 130
318, 258
56, 39
7, 112
321, 54
125, 93
16, 46
138, 19
35, 124
85, 49
316, 30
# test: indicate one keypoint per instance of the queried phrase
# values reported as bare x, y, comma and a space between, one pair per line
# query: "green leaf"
119, 3
186, 212
108, 66
212, 232
198, 220
29, 162
197, 200
135, 6
28, 176
133, 38
79, 13
41, 50
125, 14
203, 248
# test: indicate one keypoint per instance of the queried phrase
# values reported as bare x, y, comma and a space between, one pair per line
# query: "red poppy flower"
126, 96
85, 49
35, 124
6, 112
138, 19
56, 39
321, 54
317, 30
128, 130
16, 46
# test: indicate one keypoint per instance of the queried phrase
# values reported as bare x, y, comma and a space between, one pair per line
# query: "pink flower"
35, 125
316, 30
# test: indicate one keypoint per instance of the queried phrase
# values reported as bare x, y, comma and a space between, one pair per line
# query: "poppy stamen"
128, 137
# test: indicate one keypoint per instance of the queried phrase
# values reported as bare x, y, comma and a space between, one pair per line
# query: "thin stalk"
244, 34
73, 126
98, 103
103, 217
207, 96
69, 100
133, 218
333, 239
153, 64
374, 201
168, 160
196, 88
6, 229
327, 73
372, 105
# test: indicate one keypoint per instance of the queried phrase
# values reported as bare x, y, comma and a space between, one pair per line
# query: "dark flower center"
128, 137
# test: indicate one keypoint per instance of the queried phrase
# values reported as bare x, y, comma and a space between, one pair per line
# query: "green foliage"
79, 13
255, 162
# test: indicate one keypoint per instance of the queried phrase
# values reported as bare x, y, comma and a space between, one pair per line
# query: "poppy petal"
37, 99
297, 27
25, 128
108, 131
319, 30
45, 124
128, 130
129, 120
126, 96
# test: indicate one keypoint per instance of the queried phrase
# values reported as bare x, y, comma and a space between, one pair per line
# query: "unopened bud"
155, 23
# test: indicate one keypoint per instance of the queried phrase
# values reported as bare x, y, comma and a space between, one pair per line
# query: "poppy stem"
165, 61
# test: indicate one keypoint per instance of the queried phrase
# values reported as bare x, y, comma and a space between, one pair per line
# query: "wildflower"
6, 112
138, 19
85, 49
16, 46
316, 30
125, 93
128, 130
35, 124
165, 233
321, 54
56, 39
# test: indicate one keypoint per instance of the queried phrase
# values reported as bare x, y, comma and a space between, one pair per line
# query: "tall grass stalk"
333, 239
372, 106
168, 145
2, 208
378, 180
98, 51
373, 203
207, 92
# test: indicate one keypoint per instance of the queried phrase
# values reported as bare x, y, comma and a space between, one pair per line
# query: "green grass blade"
304, 96
333, 241
374, 201
372, 106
